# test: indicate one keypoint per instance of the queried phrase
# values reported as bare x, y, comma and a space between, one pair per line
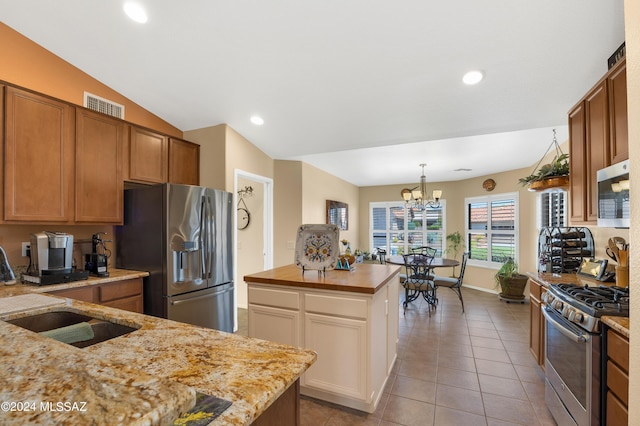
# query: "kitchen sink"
102, 329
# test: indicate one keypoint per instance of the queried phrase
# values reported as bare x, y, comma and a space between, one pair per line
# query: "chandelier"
416, 197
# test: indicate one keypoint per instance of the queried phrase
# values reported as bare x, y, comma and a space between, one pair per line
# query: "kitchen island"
350, 318
148, 376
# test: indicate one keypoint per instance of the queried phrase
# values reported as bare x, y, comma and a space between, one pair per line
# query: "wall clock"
243, 218
489, 184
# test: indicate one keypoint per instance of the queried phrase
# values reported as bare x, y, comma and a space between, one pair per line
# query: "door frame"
267, 221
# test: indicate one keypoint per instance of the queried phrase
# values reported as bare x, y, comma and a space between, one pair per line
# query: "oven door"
568, 363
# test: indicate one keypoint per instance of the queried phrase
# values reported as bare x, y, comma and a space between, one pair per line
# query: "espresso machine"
51, 259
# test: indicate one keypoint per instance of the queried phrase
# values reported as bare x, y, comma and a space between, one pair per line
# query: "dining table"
438, 262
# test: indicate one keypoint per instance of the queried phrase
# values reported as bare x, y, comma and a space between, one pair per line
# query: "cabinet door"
85, 294
184, 162
274, 324
341, 345
617, 82
38, 158
131, 304
99, 180
597, 131
148, 156
577, 165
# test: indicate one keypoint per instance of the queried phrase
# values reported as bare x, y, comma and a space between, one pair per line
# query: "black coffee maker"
96, 261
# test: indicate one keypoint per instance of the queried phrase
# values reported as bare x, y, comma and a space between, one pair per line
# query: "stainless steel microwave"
613, 196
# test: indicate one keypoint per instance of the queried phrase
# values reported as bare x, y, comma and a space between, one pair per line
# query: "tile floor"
453, 368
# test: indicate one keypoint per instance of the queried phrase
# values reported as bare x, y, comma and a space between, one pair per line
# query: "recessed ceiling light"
473, 77
258, 121
136, 12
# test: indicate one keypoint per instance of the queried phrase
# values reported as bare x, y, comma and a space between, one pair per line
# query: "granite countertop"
620, 324
114, 275
547, 278
364, 278
148, 376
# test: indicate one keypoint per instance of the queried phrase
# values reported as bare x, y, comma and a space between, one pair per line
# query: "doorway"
253, 244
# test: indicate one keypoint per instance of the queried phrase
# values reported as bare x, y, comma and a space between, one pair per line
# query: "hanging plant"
554, 175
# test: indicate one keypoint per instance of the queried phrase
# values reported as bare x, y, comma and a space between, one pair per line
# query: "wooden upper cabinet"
598, 137
148, 156
39, 158
577, 163
597, 143
184, 162
99, 179
617, 85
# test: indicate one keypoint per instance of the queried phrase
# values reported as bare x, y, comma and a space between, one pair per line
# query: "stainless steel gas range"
573, 362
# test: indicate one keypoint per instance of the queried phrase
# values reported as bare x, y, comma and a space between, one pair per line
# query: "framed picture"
338, 214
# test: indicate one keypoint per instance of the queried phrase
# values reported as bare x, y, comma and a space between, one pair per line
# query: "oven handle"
565, 329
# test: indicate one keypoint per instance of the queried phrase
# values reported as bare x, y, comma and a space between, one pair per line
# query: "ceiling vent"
105, 106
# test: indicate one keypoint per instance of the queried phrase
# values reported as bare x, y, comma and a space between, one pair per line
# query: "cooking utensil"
612, 250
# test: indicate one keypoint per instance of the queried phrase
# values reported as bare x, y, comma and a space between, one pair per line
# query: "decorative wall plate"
489, 185
317, 246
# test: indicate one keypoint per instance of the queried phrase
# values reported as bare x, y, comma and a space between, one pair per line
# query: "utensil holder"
622, 276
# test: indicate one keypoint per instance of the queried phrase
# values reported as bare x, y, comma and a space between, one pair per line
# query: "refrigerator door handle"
211, 237
206, 237
203, 240
207, 296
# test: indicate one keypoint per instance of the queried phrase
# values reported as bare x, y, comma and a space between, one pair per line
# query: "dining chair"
429, 251
454, 284
419, 280
382, 255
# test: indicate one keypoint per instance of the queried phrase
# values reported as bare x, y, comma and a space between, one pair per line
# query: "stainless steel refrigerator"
181, 235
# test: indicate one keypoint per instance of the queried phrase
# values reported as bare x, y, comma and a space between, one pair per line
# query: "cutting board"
25, 302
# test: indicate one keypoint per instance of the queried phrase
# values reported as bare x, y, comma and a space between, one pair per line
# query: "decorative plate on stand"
317, 246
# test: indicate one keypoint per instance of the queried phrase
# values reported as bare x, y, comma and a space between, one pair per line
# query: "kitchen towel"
71, 333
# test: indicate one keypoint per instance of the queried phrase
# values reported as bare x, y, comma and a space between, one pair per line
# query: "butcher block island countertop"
349, 318
148, 376
364, 278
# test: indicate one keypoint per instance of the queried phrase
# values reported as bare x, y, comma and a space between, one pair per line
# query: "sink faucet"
6, 273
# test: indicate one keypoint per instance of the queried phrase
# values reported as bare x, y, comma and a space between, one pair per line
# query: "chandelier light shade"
417, 197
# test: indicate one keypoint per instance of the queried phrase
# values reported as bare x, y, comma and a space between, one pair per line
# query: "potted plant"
552, 175
511, 282
456, 241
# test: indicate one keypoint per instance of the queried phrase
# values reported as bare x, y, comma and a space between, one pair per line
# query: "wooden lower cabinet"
617, 371
284, 411
537, 322
125, 294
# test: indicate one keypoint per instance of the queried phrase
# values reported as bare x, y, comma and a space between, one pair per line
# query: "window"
398, 229
492, 228
551, 209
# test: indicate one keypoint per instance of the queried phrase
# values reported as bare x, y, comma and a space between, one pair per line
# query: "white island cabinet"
350, 318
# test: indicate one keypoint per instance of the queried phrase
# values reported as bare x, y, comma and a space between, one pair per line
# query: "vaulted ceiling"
365, 90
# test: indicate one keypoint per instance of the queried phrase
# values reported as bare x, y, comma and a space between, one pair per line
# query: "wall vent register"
102, 105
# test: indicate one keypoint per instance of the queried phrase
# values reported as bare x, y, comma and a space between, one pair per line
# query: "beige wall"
320, 186
287, 209
300, 195
212, 154
632, 32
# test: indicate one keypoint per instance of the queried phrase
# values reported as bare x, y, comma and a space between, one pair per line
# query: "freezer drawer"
211, 307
